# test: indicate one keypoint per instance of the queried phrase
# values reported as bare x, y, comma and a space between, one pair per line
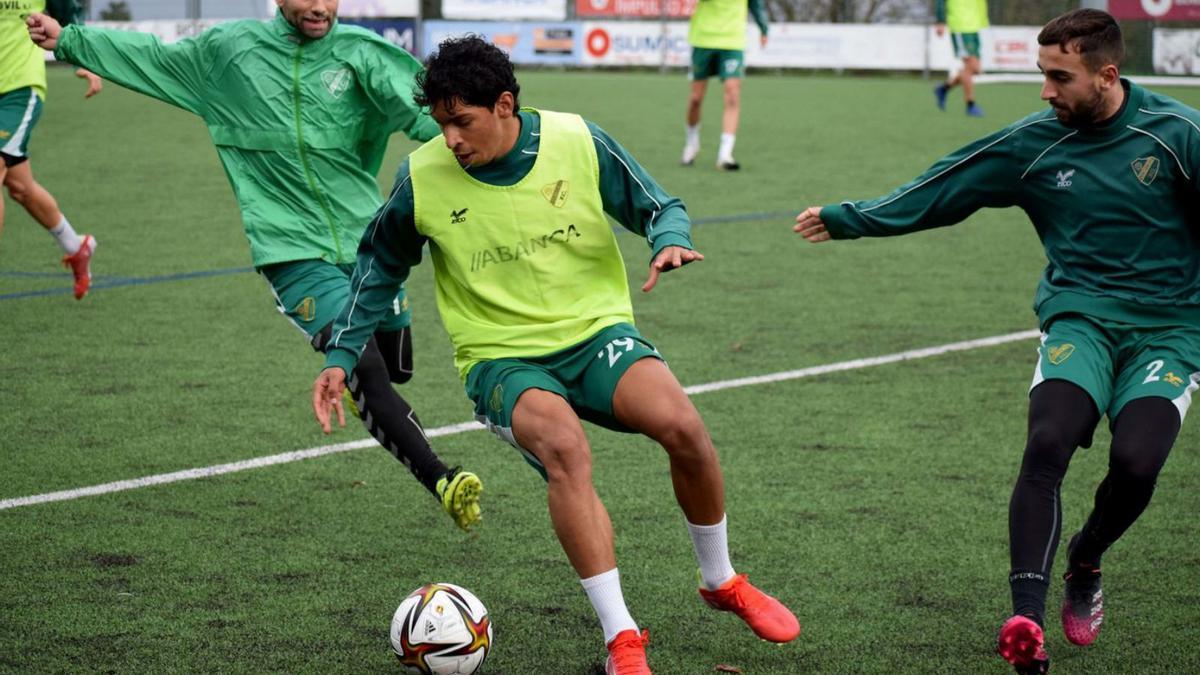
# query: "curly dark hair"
468, 70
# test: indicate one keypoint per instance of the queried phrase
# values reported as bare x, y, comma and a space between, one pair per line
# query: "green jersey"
963, 16
300, 125
22, 63
1113, 204
393, 242
721, 24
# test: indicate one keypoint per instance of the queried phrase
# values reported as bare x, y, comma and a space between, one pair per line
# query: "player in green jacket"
717, 34
532, 289
300, 109
22, 90
965, 18
1110, 176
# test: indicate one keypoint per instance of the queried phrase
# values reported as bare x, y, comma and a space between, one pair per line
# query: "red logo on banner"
1162, 10
646, 8
598, 42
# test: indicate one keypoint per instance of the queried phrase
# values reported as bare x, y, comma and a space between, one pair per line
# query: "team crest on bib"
337, 81
1146, 169
307, 309
1061, 353
556, 193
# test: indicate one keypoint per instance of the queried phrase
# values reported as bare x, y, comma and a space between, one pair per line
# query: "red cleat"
627, 654
1020, 643
766, 616
80, 263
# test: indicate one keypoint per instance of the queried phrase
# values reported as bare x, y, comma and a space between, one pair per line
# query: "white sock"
604, 590
65, 235
726, 150
712, 552
693, 135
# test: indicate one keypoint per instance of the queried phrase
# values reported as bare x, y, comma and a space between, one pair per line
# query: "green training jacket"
1114, 206
300, 125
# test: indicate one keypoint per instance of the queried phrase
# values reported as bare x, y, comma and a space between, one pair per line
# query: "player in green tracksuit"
300, 109
532, 290
965, 19
1110, 177
22, 90
717, 34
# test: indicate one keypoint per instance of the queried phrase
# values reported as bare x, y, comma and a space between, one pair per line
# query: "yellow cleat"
460, 492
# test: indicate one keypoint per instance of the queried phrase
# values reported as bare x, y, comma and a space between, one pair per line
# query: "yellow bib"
22, 63
522, 270
719, 24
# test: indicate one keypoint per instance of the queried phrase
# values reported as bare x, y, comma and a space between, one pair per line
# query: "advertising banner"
648, 9
549, 43
1159, 10
400, 32
506, 10
1176, 51
635, 43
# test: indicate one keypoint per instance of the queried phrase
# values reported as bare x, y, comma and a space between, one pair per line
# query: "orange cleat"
80, 263
1021, 643
766, 616
627, 654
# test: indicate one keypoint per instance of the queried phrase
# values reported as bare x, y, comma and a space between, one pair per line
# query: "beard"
1084, 113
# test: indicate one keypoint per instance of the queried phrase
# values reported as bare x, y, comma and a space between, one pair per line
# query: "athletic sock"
604, 591
712, 552
1029, 594
693, 135
725, 152
66, 237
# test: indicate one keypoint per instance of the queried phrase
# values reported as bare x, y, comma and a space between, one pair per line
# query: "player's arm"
176, 73
635, 200
759, 12
983, 174
389, 84
939, 13
390, 247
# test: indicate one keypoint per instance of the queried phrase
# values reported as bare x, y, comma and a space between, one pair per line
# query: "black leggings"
1062, 417
387, 358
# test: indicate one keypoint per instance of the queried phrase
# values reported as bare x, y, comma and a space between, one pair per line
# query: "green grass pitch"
873, 501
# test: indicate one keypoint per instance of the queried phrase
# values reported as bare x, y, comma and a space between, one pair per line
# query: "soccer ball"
441, 629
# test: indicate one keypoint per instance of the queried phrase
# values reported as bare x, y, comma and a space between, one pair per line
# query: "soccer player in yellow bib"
717, 34
22, 90
965, 18
532, 290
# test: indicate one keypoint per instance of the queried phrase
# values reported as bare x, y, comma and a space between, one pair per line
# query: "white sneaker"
728, 164
689, 153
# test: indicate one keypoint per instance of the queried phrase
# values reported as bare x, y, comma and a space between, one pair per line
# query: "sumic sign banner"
1161, 10
547, 10
675, 9
635, 43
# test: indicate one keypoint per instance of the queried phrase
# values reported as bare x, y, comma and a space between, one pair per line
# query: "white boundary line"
463, 427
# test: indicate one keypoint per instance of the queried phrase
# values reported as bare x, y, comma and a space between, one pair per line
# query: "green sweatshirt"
22, 63
300, 125
1114, 206
962, 16
392, 245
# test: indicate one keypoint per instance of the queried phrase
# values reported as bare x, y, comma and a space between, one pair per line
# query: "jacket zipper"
312, 183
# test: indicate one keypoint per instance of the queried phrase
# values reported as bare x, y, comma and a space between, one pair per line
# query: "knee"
565, 455
732, 100
694, 100
19, 191
1047, 453
685, 437
1127, 466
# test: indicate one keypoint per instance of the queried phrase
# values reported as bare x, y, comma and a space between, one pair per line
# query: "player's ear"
505, 105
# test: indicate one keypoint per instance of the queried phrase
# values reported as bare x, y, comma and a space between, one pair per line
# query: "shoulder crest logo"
1146, 169
556, 193
1064, 178
337, 81
1060, 353
307, 309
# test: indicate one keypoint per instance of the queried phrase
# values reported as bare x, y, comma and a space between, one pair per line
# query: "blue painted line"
102, 283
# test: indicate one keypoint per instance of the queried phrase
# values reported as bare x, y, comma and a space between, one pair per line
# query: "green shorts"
19, 113
312, 292
965, 44
586, 375
723, 63
1116, 363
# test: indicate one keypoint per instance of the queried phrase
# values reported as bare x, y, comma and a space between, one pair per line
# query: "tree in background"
117, 10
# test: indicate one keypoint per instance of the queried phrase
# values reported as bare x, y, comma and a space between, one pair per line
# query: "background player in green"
965, 18
717, 34
300, 109
22, 90
538, 310
1110, 176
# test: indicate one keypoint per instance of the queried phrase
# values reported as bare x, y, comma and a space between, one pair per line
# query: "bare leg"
733, 103
695, 101
30, 194
971, 68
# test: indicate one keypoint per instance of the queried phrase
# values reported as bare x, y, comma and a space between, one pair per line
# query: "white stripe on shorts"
13, 147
